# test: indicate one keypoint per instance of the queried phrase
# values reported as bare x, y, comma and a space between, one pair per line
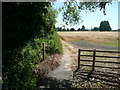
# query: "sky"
93, 19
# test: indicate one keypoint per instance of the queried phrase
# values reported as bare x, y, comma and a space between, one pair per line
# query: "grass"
76, 85
91, 53
113, 43
95, 85
90, 84
74, 52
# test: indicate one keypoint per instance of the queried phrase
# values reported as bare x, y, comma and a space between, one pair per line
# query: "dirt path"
64, 71
62, 76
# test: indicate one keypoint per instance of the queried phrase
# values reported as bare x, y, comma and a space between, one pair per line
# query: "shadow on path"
49, 82
104, 78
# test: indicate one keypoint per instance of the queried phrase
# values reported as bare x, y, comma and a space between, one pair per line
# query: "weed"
74, 52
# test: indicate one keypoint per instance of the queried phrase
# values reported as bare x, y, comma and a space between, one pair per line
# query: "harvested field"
89, 35
92, 39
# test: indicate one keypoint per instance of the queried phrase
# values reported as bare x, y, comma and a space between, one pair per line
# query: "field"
91, 39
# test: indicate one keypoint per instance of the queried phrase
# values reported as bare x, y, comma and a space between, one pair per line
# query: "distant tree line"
71, 29
104, 26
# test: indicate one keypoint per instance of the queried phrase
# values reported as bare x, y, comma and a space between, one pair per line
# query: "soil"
49, 64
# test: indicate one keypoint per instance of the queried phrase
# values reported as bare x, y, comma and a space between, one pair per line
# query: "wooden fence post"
43, 50
93, 66
79, 51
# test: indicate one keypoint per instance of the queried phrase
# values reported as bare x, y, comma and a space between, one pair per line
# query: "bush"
20, 71
54, 44
18, 75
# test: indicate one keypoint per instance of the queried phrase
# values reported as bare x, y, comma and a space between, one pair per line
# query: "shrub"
20, 71
54, 44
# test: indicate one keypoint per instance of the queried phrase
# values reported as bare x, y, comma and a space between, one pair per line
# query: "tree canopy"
72, 10
95, 29
40, 17
105, 26
83, 27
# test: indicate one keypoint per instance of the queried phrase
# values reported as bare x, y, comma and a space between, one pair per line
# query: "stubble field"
91, 39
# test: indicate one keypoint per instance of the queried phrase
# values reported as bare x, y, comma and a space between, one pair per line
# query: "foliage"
105, 26
23, 21
72, 29
79, 29
95, 29
59, 29
20, 75
68, 29
25, 27
83, 28
54, 44
72, 10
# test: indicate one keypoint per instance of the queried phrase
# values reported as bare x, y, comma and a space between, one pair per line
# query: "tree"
79, 29
108, 26
72, 29
64, 29
83, 28
104, 26
68, 29
72, 10
95, 29
61, 29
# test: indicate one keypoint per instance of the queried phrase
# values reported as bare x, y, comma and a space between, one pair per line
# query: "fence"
94, 59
